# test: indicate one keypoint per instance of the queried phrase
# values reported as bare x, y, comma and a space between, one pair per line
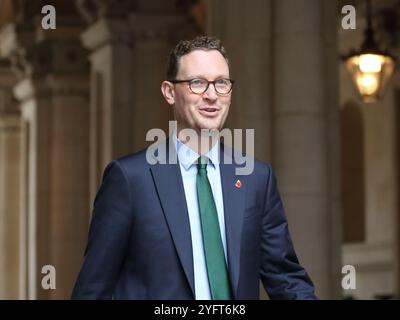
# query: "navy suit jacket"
139, 244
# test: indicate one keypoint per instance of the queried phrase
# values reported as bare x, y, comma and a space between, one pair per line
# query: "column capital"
15, 43
50, 85
28, 88
105, 31
149, 26
33, 53
93, 10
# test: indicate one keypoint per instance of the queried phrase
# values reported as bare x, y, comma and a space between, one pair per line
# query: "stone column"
245, 30
9, 186
55, 117
331, 85
154, 35
53, 96
305, 136
111, 94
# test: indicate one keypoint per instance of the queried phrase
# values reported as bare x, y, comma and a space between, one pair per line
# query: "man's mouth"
209, 112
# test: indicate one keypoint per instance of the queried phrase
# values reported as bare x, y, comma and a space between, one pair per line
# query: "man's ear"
168, 91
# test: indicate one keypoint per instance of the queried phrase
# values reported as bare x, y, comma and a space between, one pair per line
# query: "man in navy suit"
193, 229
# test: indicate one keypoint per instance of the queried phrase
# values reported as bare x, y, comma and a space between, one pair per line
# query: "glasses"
199, 86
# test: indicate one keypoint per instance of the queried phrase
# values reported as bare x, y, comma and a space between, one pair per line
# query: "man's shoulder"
262, 165
136, 158
262, 169
141, 160
129, 164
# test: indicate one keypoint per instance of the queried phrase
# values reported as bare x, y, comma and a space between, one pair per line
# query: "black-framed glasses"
199, 86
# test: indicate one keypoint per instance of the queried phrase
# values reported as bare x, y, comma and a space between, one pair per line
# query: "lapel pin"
238, 184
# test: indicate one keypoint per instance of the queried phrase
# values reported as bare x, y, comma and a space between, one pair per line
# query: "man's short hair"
186, 46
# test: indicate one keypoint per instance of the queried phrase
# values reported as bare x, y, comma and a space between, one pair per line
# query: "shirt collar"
187, 156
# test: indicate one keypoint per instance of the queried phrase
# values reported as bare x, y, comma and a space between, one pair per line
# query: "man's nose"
211, 93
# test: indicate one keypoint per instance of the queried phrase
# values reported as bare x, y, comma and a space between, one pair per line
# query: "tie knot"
202, 163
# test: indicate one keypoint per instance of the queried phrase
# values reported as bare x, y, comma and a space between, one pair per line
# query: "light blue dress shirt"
188, 165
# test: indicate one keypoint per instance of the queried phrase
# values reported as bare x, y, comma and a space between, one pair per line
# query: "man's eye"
197, 82
223, 82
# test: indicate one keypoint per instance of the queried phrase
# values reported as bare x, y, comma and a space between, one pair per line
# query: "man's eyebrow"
199, 76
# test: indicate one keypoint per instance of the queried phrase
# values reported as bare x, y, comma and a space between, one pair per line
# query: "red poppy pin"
238, 184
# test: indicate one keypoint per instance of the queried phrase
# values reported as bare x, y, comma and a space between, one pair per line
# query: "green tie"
213, 248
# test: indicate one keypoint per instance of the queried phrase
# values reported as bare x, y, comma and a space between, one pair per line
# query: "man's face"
200, 111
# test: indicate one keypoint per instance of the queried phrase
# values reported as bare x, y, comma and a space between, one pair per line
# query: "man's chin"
211, 126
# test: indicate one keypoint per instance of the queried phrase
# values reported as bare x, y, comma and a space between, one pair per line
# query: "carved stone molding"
106, 31
159, 27
93, 10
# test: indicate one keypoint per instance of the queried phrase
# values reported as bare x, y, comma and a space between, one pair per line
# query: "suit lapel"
234, 201
169, 185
